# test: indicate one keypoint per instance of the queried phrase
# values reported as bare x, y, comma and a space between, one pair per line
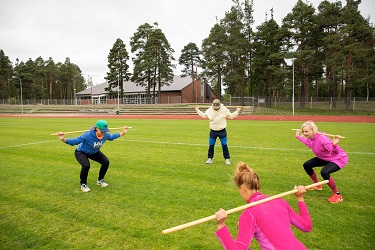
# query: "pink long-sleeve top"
323, 148
269, 223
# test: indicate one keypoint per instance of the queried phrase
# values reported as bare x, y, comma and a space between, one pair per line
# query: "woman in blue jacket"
89, 145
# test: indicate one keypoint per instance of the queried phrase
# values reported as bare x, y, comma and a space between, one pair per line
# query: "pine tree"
248, 20
213, 50
267, 60
329, 20
297, 28
153, 59
40, 86
190, 59
142, 72
51, 76
26, 71
162, 65
69, 72
358, 41
236, 53
118, 69
6, 72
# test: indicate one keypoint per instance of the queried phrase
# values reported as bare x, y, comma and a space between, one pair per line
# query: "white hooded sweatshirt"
218, 118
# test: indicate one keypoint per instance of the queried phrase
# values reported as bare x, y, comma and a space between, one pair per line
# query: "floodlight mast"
293, 59
118, 92
89, 80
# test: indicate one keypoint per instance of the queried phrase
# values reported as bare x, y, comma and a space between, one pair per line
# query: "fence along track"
111, 109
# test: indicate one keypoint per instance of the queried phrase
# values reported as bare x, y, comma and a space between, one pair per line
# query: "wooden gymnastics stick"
339, 136
82, 131
213, 217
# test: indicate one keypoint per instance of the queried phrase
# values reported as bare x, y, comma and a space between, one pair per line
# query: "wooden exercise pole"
213, 217
339, 136
82, 131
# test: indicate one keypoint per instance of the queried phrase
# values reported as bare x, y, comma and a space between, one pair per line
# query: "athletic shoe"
320, 187
102, 183
227, 161
335, 198
209, 161
85, 188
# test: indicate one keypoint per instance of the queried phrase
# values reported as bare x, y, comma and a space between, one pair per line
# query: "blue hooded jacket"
89, 143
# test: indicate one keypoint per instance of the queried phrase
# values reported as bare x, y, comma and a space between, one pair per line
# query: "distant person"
218, 114
268, 222
89, 145
328, 155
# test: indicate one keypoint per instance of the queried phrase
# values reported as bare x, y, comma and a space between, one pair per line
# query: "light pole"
74, 81
118, 93
293, 59
21, 91
89, 80
287, 60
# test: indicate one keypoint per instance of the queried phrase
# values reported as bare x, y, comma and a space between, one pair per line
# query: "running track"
354, 119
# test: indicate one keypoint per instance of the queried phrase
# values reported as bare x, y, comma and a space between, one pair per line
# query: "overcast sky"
85, 30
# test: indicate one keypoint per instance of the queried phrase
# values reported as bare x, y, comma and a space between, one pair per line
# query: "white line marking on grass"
193, 144
26, 144
233, 146
361, 153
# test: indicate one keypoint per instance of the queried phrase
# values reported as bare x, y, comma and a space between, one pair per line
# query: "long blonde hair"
244, 175
311, 125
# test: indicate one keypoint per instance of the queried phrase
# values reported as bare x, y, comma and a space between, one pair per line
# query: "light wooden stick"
213, 217
339, 136
71, 132
82, 131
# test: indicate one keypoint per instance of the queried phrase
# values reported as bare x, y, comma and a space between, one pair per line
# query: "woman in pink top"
328, 154
269, 222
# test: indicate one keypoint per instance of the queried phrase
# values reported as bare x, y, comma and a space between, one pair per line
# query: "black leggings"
329, 167
83, 159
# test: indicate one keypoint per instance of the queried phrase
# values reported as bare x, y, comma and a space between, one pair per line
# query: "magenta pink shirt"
323, 148
269, 223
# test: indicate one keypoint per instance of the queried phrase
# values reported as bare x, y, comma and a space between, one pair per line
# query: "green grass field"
158, 179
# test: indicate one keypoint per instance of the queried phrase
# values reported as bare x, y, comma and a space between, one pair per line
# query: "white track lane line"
191, 144
233, 146
26, 144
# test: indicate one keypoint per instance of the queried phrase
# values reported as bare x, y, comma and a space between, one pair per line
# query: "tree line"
40, 79
327, 52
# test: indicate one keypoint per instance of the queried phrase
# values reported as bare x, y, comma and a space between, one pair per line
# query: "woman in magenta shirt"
269, 222
328, 155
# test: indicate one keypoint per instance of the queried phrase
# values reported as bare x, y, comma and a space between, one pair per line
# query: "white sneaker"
102, 183
209, 161
227, 161
85, 188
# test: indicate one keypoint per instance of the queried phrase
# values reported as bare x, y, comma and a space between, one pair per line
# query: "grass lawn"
158, 179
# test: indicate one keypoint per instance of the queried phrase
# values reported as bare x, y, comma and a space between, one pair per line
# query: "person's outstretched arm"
302, 221
200, 113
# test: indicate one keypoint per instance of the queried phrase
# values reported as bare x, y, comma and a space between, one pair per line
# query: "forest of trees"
40, 79
331, 49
